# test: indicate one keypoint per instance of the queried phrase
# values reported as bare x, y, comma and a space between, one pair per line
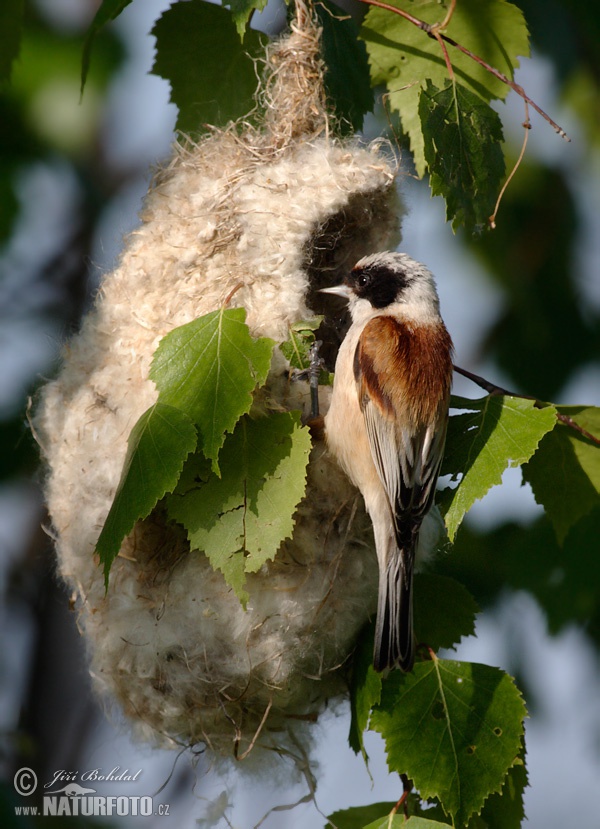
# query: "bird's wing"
403, 397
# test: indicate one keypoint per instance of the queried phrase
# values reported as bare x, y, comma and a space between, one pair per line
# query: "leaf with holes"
462, 144
489, 436
454, 728
403, 57
209, 369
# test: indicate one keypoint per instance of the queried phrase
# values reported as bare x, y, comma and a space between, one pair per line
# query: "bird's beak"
339, 290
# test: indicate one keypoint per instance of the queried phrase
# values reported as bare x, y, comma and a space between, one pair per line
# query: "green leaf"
157, 447
241, 11
358, 816
494, 433
302, 336
505, 810
297, 349
444, 611
212, 75
403, 57
347, 70
387, 822
454, 729
109, 10
209, 369
414, 822
365, 689
11, 26
239, 520
462, 136
565, 471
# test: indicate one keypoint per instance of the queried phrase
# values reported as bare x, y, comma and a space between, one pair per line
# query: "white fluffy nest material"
281, 210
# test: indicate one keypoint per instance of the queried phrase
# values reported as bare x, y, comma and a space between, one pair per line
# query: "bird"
387, 421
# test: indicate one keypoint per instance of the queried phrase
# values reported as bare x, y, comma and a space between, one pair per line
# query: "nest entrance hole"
363, 225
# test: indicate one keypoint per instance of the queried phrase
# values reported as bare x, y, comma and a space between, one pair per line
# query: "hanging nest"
278, 212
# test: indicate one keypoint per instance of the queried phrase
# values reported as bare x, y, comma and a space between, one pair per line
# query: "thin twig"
255, 738
526, 127
432, 31
493, 389
490, 387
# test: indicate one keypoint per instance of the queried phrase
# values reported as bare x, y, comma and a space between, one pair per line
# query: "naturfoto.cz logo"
76, 800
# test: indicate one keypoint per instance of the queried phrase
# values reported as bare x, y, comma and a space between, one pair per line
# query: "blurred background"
523, 307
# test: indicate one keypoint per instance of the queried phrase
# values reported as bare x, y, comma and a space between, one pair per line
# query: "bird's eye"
363, 280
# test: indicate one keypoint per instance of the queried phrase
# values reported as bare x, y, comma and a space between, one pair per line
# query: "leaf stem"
440, 39
448, 17
432, 30
231, 293
407, 787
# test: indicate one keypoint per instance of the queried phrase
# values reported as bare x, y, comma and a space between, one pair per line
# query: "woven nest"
278, 211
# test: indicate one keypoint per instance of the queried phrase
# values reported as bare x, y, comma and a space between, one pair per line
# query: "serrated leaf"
565, 471
462, 136
157, 447
241, 11
365, 689
212, 74
244, 515
454, 729
108, 10
505, 810
346, 66
209, 369
403, 57
494, 433
444, 611
11, 26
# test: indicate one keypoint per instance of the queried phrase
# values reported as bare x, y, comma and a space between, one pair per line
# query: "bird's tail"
394, 641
